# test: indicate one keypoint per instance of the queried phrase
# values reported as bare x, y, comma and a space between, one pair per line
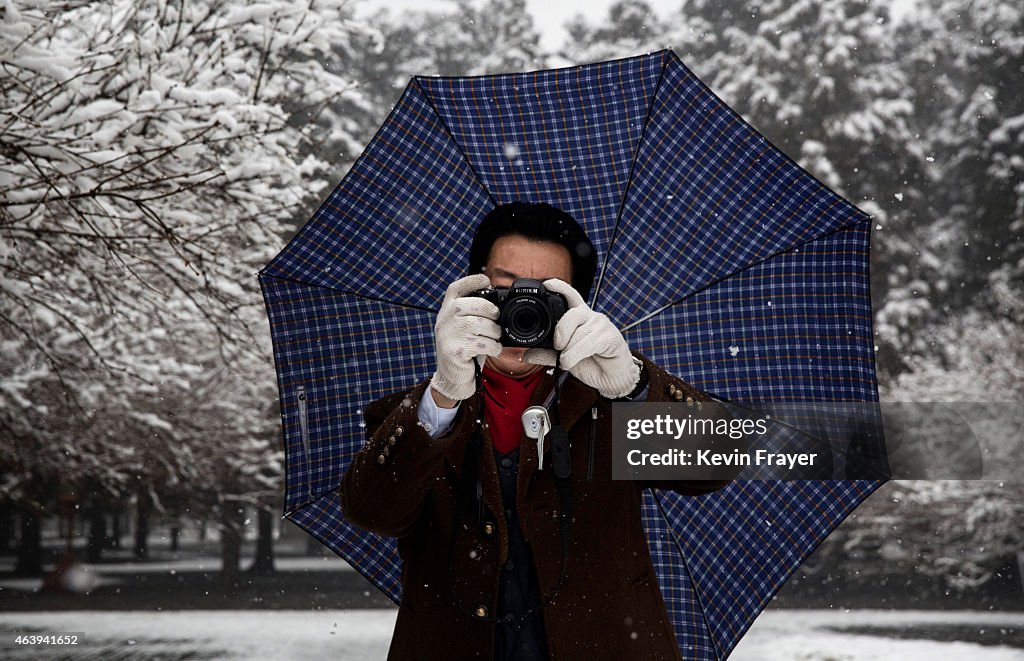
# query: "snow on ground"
363, 635
811, 635
280, 635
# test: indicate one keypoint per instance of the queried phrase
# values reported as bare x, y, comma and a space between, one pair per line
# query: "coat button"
481, 611
678, 395
488, 528
385, 452
689, 401
392, 440
398, 431
672, 389
381, 459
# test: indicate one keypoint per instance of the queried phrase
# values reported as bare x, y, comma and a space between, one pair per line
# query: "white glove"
592, 348
466, 329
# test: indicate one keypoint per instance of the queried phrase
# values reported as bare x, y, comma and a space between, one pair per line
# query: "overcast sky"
550, 15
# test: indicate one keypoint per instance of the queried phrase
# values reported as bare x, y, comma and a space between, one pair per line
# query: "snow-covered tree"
976, 53
962, 532
964, 62
465, 38
629, 28
149, 156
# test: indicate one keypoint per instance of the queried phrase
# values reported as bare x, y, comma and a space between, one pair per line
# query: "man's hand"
592, 348
466, 328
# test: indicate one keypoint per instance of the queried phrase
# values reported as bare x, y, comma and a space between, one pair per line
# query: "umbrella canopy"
719, 257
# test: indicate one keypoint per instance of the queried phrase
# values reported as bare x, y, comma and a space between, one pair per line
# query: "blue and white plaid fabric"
719, 257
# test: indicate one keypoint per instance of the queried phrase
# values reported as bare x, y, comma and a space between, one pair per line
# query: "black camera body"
528, 312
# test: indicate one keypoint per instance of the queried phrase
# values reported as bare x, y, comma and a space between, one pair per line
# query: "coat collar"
576, 399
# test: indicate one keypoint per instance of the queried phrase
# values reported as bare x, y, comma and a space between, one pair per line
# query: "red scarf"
506, 398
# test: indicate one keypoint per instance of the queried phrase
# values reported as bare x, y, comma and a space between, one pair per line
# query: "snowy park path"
363, 635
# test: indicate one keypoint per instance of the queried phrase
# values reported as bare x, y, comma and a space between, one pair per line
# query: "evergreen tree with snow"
468, 39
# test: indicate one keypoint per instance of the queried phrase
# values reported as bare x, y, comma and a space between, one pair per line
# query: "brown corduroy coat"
404, 484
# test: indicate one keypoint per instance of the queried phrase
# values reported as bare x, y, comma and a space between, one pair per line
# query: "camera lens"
526, 321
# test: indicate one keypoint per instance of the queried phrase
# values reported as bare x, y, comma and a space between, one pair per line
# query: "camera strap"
560, 458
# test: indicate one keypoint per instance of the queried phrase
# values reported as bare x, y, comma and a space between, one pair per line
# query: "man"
506, 580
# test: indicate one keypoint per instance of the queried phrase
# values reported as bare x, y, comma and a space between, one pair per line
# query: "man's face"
519, 257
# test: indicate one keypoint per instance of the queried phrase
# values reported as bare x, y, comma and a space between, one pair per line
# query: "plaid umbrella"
719, 257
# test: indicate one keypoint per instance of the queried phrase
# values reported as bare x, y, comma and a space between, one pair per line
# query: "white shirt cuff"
436, 420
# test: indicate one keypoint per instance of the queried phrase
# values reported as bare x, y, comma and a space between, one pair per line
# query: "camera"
528, 312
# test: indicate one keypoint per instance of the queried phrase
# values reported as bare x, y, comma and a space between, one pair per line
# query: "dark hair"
540, 222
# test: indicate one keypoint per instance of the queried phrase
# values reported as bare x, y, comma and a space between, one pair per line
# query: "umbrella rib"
374, 299
686, 568
451, 136
629, 180
380, 131
632, 324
